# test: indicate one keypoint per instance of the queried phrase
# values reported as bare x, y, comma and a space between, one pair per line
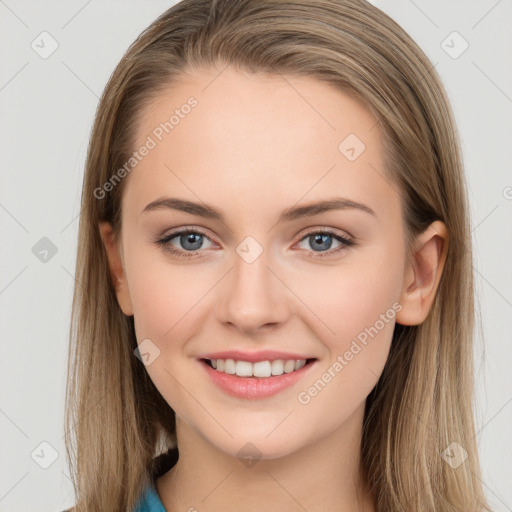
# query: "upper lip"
254, 357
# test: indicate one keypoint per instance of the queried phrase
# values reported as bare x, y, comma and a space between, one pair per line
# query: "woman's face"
252, 147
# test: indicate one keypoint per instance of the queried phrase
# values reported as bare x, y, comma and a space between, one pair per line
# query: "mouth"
259, 380
261, 369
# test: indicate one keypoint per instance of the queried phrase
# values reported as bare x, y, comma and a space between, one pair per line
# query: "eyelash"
164, 242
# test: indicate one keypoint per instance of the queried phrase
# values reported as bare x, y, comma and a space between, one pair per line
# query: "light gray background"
47, 108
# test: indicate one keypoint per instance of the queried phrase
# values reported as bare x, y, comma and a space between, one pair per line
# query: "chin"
258, 447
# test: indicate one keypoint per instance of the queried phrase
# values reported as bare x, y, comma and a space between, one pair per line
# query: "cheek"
164, 295
353, 307
166, 301
352, 295
358, 316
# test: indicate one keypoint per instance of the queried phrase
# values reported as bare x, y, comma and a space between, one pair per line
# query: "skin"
252, 147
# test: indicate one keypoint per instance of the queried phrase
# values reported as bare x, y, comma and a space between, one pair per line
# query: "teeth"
259, 369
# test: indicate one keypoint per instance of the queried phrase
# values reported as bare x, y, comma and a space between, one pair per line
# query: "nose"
253, 296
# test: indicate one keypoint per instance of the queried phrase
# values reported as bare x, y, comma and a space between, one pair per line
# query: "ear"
422, 274
116, 265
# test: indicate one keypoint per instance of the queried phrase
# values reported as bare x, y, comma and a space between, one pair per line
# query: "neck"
322, 475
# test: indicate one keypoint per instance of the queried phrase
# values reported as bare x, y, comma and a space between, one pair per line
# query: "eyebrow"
294, 213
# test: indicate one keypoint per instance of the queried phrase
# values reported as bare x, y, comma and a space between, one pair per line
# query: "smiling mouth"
261, 369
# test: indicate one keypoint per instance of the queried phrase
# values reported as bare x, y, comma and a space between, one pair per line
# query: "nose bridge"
254, 296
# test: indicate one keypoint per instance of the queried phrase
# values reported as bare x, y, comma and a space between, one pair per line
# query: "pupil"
189, 238
321, 238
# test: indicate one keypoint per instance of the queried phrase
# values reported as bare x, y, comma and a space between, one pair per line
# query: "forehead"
235, 136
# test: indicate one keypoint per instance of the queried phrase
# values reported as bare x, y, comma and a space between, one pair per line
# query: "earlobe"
116, 267
423, 273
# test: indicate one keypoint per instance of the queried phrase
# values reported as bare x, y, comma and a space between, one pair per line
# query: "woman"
275, 290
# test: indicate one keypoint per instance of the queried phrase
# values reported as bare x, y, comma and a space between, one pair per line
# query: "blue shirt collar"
150, 501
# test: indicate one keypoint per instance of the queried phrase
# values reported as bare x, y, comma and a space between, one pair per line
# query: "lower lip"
254, 387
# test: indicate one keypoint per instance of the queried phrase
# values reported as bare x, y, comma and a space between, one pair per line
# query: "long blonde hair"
116, 420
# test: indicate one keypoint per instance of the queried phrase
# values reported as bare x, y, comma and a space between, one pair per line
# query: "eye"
322, 239
190, 239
